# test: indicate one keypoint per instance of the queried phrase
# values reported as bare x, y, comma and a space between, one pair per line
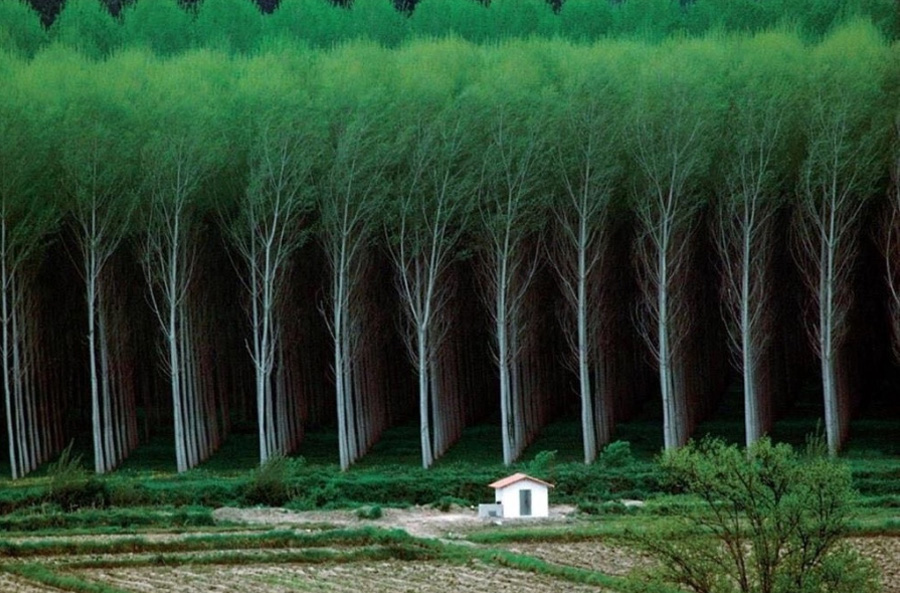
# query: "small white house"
520, 495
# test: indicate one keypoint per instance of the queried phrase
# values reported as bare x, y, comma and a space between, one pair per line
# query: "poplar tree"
98, 171
346, 204
670, 126
265, 232
431, 209
756, 164
25, 221
510, 255
174, 166
890, 242
843, 138
588, 169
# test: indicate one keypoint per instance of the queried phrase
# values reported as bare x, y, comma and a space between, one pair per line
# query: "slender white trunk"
670, 415
7, 376
424, 397
91, 273
175, 380
18, 387
106, 392
588, 427
752, 413
503, 360
826, 335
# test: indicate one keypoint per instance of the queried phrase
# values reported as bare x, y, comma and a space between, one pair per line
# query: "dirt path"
418, 521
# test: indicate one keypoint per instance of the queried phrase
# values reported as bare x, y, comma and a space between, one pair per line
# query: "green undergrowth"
50, 517
62, 496
299, 485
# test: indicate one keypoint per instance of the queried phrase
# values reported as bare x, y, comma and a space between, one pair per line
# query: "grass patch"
571, 574
278, 539
66, 582
52, 518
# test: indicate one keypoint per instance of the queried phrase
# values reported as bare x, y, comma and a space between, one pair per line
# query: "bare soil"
606, 557
885, 552
368, 577
13, 584
616, 560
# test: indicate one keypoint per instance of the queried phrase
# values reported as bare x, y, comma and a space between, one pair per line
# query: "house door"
525, 503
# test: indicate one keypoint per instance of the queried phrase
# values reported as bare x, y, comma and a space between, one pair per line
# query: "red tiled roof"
516, 478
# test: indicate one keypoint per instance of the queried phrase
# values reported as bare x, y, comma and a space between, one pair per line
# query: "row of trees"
99, 28
263, 219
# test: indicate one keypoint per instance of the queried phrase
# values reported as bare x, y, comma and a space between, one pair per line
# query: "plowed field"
619, 561
368, 577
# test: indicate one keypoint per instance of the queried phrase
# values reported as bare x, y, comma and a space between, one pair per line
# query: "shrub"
543, 465
445, 503
617, 455
372, 512
272, 483
771, 522
71, 486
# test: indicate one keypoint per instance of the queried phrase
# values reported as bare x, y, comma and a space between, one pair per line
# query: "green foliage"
617, 455
87, 26
20, 30
274, 483
772, 522
52, 517
543, 466
71, 486
369, 512
167, 26
446, 503
163, 27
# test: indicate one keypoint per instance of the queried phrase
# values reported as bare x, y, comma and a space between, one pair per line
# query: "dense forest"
196, 239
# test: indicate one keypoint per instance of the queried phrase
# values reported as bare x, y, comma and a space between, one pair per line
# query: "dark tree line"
169, 26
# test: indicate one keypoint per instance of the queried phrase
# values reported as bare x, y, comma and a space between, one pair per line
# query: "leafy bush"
445, 503
617, 455
71, 486
543, 465
371, 512
273, 483
772, 522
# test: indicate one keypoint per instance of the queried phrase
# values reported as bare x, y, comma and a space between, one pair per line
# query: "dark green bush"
445, 503
369, 512
617, 455
273, 483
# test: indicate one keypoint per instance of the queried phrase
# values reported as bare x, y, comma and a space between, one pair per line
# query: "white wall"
509, 498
